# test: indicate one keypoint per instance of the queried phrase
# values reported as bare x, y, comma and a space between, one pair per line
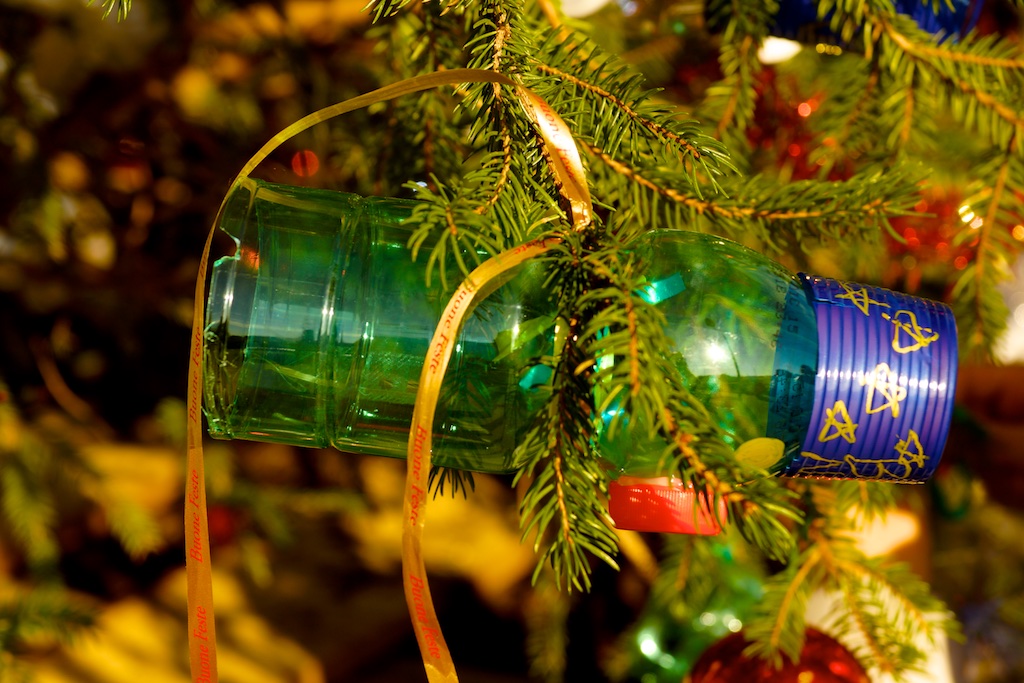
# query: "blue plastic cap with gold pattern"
883, 393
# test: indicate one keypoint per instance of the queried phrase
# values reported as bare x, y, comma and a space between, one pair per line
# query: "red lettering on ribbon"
196, 359
430, 634
200, 630
193, 489
439, 347
417, 451
204, 673
415, 499
195, 550
445, 326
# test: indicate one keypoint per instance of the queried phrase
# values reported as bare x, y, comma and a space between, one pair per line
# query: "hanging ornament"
671, 636
955, 18
306, 317
798, 19
822, 660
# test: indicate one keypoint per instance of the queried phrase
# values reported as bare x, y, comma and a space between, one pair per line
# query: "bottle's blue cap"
883, 393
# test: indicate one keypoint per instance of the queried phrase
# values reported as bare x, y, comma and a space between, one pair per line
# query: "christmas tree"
882, 148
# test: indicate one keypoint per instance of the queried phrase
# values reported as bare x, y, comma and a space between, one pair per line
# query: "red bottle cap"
663, 505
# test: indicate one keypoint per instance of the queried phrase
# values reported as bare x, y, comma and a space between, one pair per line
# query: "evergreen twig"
123, 8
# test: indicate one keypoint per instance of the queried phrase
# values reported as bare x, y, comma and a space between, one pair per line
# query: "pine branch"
858, 208
135, 529
426, 134
458, 224
975, 81
858, 619
624, 327
759, 508
546, 618
848, 114
561, 506
35, 616
381, 9
690, 571
604, 318
33, 481
981, 310
42, 613
28, 507
738, 80
655, 128
777, 627
123, 7
959, 69
869, 500
952, 51
504, 42
606, 103
567, 518
509, 190
885, 606
501, 32
732, 100
455, 480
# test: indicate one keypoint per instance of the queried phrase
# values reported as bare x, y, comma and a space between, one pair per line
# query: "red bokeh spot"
305, 163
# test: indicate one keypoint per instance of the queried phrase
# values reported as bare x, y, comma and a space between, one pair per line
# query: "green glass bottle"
318, 326
744, 340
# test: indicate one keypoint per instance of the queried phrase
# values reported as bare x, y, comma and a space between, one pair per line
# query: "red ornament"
222, 523
823, 660
305, 163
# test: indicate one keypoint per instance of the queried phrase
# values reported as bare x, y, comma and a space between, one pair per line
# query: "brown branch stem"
703, 206
939, 52
503, 30
981, 259
730, 107
781, 618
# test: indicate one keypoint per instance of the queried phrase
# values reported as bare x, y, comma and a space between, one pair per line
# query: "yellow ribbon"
202, 636
481, 282
565, 162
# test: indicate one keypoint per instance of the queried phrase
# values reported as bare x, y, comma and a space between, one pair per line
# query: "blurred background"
118, 141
